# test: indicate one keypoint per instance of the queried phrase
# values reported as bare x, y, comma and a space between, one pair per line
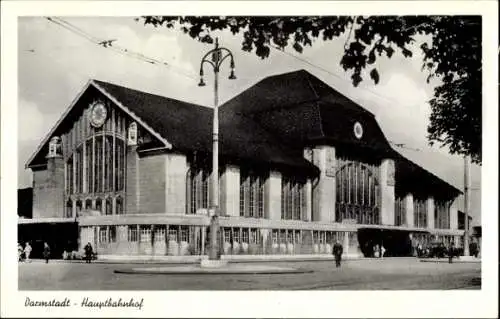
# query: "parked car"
435, 250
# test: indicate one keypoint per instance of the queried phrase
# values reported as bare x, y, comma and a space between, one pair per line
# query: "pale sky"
62, 63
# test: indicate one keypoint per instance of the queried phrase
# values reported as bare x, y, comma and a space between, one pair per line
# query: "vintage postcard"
256, 159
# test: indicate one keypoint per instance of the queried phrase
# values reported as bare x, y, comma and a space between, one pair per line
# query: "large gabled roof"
288, 90
270, 123
187, 127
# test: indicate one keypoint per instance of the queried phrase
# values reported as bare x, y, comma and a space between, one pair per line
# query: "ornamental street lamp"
215, 57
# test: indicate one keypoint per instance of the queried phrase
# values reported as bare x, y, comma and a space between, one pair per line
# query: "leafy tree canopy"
454, 56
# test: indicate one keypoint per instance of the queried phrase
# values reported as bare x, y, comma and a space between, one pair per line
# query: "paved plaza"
367, 274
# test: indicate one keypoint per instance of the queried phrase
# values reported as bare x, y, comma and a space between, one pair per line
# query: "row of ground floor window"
180, 240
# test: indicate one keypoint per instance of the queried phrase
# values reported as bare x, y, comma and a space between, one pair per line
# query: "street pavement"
366, 274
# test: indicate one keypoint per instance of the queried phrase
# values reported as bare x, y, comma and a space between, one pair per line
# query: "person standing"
19, 252
451, 252
27, 251
88, 253
337, 253
46, 252
382, 251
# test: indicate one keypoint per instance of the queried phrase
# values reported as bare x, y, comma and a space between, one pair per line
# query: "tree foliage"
454, 56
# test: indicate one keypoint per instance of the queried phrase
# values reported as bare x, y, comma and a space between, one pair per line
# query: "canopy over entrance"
61, 235
397, 242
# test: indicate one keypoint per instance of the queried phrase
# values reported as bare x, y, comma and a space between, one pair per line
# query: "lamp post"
466, 203
215, 57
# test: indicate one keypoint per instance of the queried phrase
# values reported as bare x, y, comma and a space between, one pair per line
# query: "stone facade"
155, 219
272, 196
230, 194
323, 190
387, 197
408, 202
48, 189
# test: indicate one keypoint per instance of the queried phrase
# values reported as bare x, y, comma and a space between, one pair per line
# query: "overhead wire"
330, 72
108, 44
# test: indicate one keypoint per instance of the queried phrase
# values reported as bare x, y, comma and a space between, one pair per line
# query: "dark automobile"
436, 250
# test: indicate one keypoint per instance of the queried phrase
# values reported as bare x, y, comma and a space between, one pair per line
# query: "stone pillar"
230, 191
176, 184
265, 238
430, 212
346, 243
387, 197
323, 206
272, 196
308, 198
203, 236
122, 246
132, 181
409, 210
454, 215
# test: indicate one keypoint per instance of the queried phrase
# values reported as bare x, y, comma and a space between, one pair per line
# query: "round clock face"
358, 130
98, 114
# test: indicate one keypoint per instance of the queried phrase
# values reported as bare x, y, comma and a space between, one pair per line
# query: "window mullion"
113, 129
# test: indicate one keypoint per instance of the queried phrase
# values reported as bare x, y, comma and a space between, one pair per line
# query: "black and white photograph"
267, 152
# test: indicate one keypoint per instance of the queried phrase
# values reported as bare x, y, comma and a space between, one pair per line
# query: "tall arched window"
69, 209
98, 205
199, 180
79, 207
442, 214
95, 161
88, 203
399, 211
109, 206
292, 197
357, 192
252, 193
119, 205
420, 212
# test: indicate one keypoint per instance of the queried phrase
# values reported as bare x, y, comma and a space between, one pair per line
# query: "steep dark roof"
411, 177
270, 123
287, 90
183, 124
188, 127
306, 110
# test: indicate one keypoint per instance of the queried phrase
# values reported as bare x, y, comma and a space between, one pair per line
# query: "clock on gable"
98, 114
358, 130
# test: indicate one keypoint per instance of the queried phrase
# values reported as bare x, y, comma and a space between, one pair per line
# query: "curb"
210, 271
192, 261
455, 261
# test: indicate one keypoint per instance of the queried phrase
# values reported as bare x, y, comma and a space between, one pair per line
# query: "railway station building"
301, 166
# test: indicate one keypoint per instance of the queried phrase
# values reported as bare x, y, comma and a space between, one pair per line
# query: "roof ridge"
311, 86
150, 93
320, 119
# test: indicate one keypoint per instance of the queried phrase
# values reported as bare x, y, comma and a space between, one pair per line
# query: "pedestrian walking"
46, 252
27, 251
88, 253
382, 251
376, 251
337, 253
19, 252
451, 252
